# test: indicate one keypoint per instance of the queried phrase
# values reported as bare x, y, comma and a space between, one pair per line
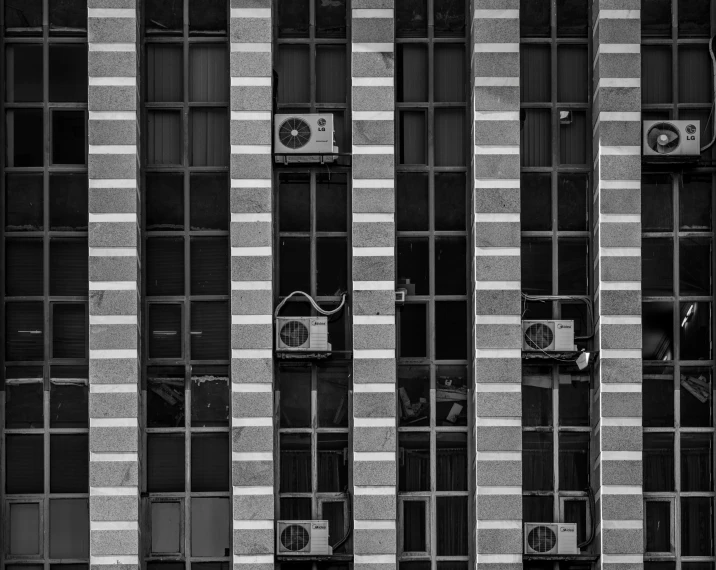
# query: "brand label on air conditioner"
567, 529
318, 526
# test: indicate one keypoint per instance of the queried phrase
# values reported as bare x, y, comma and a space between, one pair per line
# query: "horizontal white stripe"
251, 387
620, 251
250, 12
620, 218
112, 252
112, 81
621, 422
497, 183
620, 285
113, 183
264, 490
373, 456
498, 558
497, 48
496, 14
622, 558
253, 524
619, 48
250, 116
498, 353
113, 149
374, 558
113, 525
373, 115
363, 47
501, 490
251, 319
107, 218
250, 218
373, 183
251, 82
373, 422
499, 456
374, 491
497, 285
114, 457
113, 388
372, 13
111, 13
252, 422
611, 320
625, 388
108, 354
495, 218
497, 115
612, 353
251, 251
621, 489
620, 184
251, 353
113, 491
620, 150
113, 422
251, 285
113, 560
621, 455
96, 46
498, 320
250, 149
374, 387
497, 81
373, 285
497, 251
497, 149
374, 525
619, 82
373, 218
373, 252
618, 14
373, 319
497, 387
112, 116
620, 116
361, 354
373, 149
372, 81
498, 422
251, 47
504, 524
248, 456
253, 559
251, 183
112, 285
113, 319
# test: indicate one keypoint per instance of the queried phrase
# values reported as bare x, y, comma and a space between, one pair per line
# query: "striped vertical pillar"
374, 419
251, 292
496, 198
113, 285
617, 273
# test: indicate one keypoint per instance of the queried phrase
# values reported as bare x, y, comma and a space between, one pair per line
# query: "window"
555, 155
431, 220
187, 502
43, 194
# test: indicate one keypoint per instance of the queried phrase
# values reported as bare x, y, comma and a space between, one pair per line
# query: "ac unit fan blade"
663, 138
294, 133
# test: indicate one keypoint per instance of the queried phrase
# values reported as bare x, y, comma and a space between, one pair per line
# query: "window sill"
561, 557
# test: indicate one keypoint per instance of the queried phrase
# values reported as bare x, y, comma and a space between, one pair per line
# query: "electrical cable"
584, 299
315, 305
349, 514
592, 519
713, 70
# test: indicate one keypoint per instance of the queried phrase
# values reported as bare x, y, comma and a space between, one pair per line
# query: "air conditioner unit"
302, 538
551, 538
302, 334
303, 134
670, 141
547, 335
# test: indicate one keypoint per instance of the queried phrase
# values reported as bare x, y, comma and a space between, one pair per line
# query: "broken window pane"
696, 462
573, 270
694, 18
412, 73
166, 527
295, 401
536, 137
413, 331
656, 18
412, 201
537, 266
451, 396
535, 19
210, 453
331, 266
164, 79
658, 331
23, 267
573, 399
331, 202
572, 202
695, 331
537, 469
295, 472
332, 462
165, 463
537, 396
209, 202
331, 19
572, 74
69, 528
697, 537
572, 18
165, 327
413, 265
24, 73
414, 527
333, 397
656, 203
165, 397
164, 202
25, 137
536, 508
452, 539
23, 18
210, 527
658, 462
449, 66
572, 137
294, 265
164, 17
658, 526
658, 397
411, 19
68, 202
69, 463
24, 529
573, 461
695, 394
294, 202
210, 392
657, 266
68, 17
69, 330
293, 19
695, 202
536, 202
413, 137
24, 323
413, 395
451, 465
293, 74
450, 266
207, 17
69, 267
24, 202
449, 137
23, 398
450, 208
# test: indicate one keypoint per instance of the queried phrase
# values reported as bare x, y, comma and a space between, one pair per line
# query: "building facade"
488, 167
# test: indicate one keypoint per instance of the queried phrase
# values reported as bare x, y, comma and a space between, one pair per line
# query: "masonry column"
498, 330
617, 273
373, 262
113, 285
251, 289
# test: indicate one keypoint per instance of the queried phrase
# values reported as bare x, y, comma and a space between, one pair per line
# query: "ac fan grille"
542, 539
295, 538
294, 133
294, 334
539, 336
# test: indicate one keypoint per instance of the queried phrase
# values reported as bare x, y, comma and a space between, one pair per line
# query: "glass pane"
25, 137
210, 330
452, 539
295, 397
451, 330
536, 138
696, 462
656, 203
694, 18
573, 461
697, 537
165, 70
413, 133
210, 455
576, 512
695, 76
210, 527
69, 528
164, 138
695, 394
331, 266
658, 526
164, 201
24, 202
293, 74
294, 509
658, 462
572, 74
536, 200
68, 73
209, 266
656, 75
210, 393
450, 266
24, 324
451, 467
165, 328
413, 395
294, 265
572, 18
573, 399
657, 273
332, 462
331, 74
24, 527
449, 137
208, 70
24, 73
331, 202
293, 19
537, 266
332, 397
695, 266
537, 396
450, 208
412, 201
695, 202
413, 265
295, 471
411, 19
537, 470
573, 137
69, 463
27, 17
414, 527
658, 397
449, 18
449, 66
656, 18
331, 19
68, 201
23, 402
207, 16
535, 72
24, 458
537, 508
165, 397
165, 463
294, 202
572, 202
23, 267
535, 19
333, 512
573, 270
69, 330
412, 73
69, 267
166, 527
165, 266
657, 331
695, 331
451, 395
68, 17
69, 397
163, 16
209, 135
